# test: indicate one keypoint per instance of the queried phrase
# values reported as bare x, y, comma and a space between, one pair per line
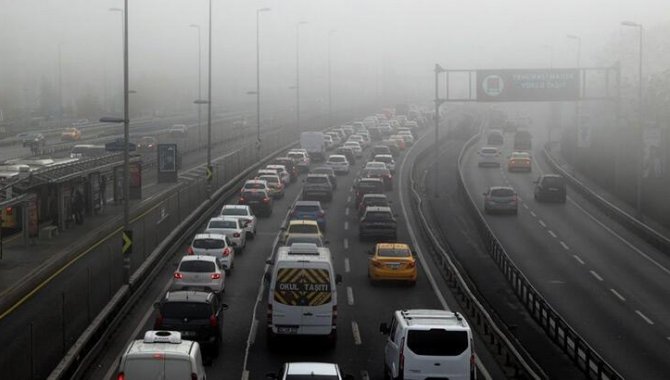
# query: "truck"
315, 145
522, 140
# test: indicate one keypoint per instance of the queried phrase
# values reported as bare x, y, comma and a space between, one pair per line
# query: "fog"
381, 51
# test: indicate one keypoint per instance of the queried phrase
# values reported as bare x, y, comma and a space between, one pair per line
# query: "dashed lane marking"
542, 223
578, 259
349, 199
646, 319
346, 211
533, 214
350, 296
346, 226
357, 333
619, 296
552, 234
346, 243
565, 246
596, 275
347, 266
524, 206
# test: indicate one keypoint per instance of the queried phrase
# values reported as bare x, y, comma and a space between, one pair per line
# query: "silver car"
500, 199
215, 245
339, 163
230, 226
388, 160
244, 213
199, 272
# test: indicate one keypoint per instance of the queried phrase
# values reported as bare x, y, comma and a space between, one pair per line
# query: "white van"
162, 355
302, 299
428, 344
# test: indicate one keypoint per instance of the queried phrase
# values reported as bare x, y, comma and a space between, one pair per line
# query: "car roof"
311, 368
370, 179
317, 175
428, 317
501, 188
308, 203
188, 295
198, 258
335, 155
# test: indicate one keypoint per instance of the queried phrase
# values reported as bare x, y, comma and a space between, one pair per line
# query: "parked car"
33, 139
500, 199
197, 315
200, 272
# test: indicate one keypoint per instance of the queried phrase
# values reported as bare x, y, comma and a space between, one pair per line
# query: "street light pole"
258, 79
330, 82
60, 86
297, 73
199, 82
209, 102
640, 166
578, 109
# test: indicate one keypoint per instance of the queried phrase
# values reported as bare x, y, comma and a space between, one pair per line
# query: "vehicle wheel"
271, 340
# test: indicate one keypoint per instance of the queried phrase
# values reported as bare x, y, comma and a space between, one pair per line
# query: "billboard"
530, 85
167, 163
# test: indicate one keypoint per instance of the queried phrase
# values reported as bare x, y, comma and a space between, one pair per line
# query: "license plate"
287, 330
393, 265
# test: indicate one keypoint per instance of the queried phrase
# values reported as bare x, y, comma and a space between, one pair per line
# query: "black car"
317, 187
197, 315
258, 200
378, 222
348, 153
550, 187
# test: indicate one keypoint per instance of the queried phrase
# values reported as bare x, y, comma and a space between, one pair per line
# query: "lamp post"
209, 104
640, 168
126, 233
258, 79
199, 82
330, 82
297, 73
578, 115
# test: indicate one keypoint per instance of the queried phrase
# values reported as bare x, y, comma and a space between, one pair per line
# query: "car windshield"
189, 310
209, 243
303, 229
337, 159
254, 185
253, 194
222, 224
384, 159
296, 155
368, 185
502, 192
377, 172
234, 211
197, 266
394, 252
317, 180
520, 156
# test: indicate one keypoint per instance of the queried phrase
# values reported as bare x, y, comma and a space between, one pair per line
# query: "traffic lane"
578, 295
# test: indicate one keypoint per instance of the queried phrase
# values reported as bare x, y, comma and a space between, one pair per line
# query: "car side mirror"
224, 306
338, 279
270, 262
282, 228
326, 242
413, 253
384, 328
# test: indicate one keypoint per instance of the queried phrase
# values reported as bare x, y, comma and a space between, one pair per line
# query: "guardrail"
554, 326
487, 323
644, 231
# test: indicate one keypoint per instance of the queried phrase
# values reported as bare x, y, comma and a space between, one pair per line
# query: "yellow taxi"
301, 228
70, 134
392, 261
519, 161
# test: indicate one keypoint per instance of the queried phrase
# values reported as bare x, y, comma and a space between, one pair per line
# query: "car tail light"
189, 251
213, 322
376, 264
215, 276
236, 234
178, 276
194, 376
321, 213
226, 252
158, 323
411, 264
242, 200
121, 376
266, 200
9, 211
514, 199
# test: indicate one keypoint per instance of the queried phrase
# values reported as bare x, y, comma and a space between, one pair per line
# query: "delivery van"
302, 298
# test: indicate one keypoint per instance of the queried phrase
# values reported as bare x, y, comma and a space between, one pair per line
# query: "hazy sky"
374, 44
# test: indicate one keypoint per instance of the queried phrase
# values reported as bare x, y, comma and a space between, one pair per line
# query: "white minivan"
428, 344
162, 355
302, 299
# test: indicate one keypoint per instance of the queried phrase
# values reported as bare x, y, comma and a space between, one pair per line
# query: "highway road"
608, 284
361, 307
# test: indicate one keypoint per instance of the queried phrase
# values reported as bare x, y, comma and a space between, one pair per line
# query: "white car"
388, 160
375, 165
244, 213
339, 163
359, 139
305, 370
356, 147
275, 183
489, 156
281, 171
328, 140
301, 159
256, 184
199, 272
215, 245
231, 227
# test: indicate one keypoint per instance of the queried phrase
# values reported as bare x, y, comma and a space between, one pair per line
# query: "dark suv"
378, 222
368, 186
317, 186
259, 201
197, 315
550, 187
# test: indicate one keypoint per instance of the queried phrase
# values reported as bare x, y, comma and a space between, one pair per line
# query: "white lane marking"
350, 296
349, 199
357, 333
578, 259
542, 223
346, 211
533, 214
646, 319
346, 243
347, 266
245, 375
252, 336
619, 296
552, 233
565, 246
346, 226
596, 275
630, 245
525, 206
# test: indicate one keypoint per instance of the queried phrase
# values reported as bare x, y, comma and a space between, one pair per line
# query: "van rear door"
437, 353
319, 295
